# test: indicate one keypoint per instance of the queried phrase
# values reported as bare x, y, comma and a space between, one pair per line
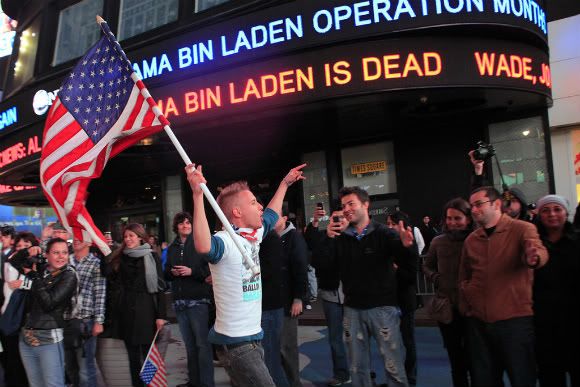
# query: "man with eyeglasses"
495, 289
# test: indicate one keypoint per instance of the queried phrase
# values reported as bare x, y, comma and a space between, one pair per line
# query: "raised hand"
195, 177
294, 175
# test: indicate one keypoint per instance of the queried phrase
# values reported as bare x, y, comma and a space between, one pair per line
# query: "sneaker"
338, 382
308, 307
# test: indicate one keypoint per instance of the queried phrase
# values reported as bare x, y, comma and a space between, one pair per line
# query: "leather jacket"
50, 295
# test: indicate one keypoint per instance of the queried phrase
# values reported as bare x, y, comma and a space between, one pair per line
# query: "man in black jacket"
190, 279
367, 257
295, 291
330, 292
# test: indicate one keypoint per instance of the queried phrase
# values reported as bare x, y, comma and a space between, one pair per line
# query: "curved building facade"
388, 95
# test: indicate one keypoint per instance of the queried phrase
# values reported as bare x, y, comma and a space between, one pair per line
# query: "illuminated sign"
305, 24
374, 166
43, 100
364, 67
15, 188
8, 117
19, 151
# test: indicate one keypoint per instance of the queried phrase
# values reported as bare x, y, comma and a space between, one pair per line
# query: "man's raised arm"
293, 176
201, 233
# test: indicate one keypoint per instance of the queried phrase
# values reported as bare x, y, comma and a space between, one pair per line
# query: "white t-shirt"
238, 296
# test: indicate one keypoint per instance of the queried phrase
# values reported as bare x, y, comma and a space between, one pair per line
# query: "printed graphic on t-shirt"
252, 287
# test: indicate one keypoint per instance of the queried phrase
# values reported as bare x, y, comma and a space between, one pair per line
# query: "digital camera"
484, 151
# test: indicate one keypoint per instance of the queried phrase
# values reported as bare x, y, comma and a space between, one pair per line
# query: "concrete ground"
315, 363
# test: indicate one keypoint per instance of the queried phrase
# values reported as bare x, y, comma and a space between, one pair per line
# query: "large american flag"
101, 109
153, 371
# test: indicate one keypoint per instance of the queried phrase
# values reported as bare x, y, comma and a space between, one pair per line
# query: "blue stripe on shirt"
270, 217
216, 250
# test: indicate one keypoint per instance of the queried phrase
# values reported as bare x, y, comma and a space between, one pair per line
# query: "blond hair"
227, 197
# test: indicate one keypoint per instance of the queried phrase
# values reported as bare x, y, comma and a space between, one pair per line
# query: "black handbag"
12, 318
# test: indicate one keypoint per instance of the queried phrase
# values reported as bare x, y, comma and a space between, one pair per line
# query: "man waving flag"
102, 108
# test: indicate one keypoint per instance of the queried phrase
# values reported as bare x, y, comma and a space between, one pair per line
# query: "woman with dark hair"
51, 294
441, 267
14, 278
556, 312
136, 269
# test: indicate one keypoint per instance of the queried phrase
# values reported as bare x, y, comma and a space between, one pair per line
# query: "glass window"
25, 62
521, 152
371, 167
138, 16
77, 30
315, 187
202, 5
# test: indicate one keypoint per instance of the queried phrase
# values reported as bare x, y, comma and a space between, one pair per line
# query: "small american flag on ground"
101, 109
153, 371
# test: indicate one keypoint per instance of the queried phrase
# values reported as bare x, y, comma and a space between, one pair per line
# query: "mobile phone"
320, 206
336, 219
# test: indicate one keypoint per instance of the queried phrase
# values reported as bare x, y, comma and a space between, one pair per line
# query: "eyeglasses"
480, 204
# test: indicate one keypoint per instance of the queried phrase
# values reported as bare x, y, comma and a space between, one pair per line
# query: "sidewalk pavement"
315, 361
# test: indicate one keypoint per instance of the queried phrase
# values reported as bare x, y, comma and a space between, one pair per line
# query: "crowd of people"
503, 278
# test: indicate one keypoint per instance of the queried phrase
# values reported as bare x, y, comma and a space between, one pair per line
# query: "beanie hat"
519, 195
555, 199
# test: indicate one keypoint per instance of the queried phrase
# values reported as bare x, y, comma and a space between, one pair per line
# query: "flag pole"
150, 348
248, 262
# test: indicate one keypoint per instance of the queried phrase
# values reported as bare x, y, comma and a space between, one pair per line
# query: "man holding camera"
88, 316
514, 202
367, 256
495, 292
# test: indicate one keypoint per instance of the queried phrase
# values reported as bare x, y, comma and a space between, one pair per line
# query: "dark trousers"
14, 374
502, 345
193, 324
557, 348
137, 355
454, 340
408, 335
333, 313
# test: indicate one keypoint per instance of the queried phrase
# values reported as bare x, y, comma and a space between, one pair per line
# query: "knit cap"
549, 199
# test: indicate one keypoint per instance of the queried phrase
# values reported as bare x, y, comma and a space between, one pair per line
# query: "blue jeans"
81, 366
44, 364
194, 328
272, 327
382, 323
502, 345
333, 313
244, 363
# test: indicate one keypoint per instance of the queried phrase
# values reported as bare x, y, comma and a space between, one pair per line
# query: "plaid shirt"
92, 289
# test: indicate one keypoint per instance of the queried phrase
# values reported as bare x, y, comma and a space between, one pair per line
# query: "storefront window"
521, 152
138, 16
371, 167
77, 30
25, 62
315, 187
202, 5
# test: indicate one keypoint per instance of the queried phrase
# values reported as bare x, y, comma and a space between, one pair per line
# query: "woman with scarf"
441, 267
141, 310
